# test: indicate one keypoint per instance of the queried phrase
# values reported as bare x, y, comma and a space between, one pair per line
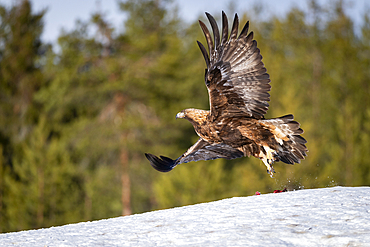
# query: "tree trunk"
125, 179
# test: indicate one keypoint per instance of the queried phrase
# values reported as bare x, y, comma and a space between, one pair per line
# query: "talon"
271, 170
268, 160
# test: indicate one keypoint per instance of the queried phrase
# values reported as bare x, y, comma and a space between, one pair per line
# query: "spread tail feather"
287, 132
294, 149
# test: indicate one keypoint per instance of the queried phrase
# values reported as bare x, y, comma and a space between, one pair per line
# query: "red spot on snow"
279, 191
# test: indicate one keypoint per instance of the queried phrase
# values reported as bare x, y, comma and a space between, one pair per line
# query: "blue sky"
64, 13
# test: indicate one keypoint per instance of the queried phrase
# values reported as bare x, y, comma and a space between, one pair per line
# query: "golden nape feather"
238, 86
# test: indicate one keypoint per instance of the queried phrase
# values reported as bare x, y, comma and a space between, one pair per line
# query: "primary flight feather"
238, 87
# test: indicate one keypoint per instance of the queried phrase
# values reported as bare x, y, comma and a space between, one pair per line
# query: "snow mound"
337, 216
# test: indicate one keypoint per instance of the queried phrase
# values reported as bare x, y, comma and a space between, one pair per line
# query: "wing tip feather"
244, 31
162, 163
215, 30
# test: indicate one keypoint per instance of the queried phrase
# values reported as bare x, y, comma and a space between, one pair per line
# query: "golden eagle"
238, 87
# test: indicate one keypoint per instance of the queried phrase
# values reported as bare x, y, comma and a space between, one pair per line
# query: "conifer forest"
77, 116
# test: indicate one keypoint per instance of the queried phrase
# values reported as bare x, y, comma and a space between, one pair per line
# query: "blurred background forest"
75, 123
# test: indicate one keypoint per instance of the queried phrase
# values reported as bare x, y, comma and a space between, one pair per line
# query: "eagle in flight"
238, 87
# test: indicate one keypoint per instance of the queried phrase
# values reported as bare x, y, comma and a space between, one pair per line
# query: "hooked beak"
180, 115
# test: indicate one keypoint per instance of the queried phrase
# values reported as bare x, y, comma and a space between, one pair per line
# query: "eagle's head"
193, 114
181, 114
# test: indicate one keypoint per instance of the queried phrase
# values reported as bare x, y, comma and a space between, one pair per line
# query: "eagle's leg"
268, 160
268, 163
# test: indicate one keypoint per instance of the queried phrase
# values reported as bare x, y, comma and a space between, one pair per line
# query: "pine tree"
20, 78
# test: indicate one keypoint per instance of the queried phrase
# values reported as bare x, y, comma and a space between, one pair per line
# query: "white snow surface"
335, 216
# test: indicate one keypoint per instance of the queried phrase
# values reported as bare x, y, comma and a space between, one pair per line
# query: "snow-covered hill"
337, 216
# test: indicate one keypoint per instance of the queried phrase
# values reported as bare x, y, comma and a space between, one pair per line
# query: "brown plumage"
238, 87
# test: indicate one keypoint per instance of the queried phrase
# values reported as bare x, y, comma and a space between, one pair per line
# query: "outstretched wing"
236, 77
201, 150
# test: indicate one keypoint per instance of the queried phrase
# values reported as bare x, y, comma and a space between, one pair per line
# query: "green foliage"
36, 196
74, 124
211, 182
